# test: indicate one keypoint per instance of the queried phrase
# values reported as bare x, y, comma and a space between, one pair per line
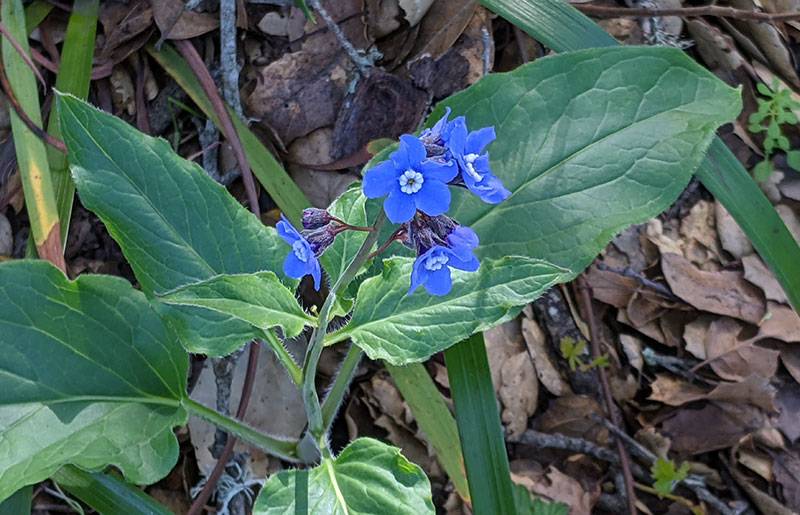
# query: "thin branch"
602, 11
608, 399
38, 131
22, 53
364, 63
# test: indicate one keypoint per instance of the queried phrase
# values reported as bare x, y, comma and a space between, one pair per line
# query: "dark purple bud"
442, 226
314, 218
434, 149
321, 238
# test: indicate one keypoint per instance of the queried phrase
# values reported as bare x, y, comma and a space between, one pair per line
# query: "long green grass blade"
19, 503
37, 182
266, 168
36, 12
107, 494
479, 427
74, 76
434, 419
561, 27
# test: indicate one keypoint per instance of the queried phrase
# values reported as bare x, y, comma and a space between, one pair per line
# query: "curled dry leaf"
716, 425
414, 10
6, 236
734, 359
731, 236
441, 26
554, 485
757, 273
519, 393
632, 347
543, 360
786, 468
571, 415
754, 390
723, 293
176, 22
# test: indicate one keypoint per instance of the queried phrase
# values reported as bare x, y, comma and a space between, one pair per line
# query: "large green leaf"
90, 376
367, 478
399, 328
349, 207
175, 225
588, 143
257, 299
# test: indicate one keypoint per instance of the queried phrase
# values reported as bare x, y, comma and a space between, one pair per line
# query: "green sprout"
776, 109
666, 476
573, 351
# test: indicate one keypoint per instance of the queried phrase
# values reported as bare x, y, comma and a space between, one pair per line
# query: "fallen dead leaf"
177, 22
757, 273
554, 485
781, 323
320, 187
546, 369
414, 10
632, 347
787, 473
734, 359
442, 25
519, 393
724, 292
754, 390
570, 415
731, 236
694, 334
716, 425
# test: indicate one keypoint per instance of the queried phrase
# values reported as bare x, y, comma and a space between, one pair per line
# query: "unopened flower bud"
442, 226
314, 218
321, 238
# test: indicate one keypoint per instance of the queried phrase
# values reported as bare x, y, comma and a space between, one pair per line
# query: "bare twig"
608, 399
38, 131
639, 278
22, 53
227, 58
363, 62
602, 11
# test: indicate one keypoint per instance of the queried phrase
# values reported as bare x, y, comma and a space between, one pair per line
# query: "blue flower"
467, 148
432, 268
410, 182
301, 261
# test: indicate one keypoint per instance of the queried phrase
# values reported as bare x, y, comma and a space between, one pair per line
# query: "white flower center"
300, 251
470, 160
434, 263
411, 181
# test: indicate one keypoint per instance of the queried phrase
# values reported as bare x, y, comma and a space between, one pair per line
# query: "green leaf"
793, 159
19, 503
91, 376
176, 226
526, 504
257, 299
561, 27
479, 427
349, 207
107, 494
588, 143
399, 328
762, 170
368, 477
666, 476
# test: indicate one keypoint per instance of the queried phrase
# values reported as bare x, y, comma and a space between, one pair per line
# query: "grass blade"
107, 494
479, 427
266, 168
561, 27
36, 12
18, 503
37, 182
434, 419
74, 76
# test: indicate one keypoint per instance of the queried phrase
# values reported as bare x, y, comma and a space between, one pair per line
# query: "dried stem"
22, 53
602, 11
608, 399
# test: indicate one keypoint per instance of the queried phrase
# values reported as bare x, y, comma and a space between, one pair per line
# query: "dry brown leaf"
731, 236
724, 292
734, 359
790, 187
787, 473
442, 25
546, 369
756, 461
632, 347
716, 48
176, 22
320, 187
502, 342
699, 234
414, 10
6, 236
791, 220
788, 419
652, 330
716, 425
519, 393
610, 287
781, 323
571, 415
754, 390
554, 485
694, 334
790, 357
757, 273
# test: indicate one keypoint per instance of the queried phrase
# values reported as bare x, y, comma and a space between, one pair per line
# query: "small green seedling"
666, 476
573, 351
775, 110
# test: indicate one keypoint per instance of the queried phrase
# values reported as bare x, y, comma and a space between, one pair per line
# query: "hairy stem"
284, 357
283, 448
340, 385
316, 425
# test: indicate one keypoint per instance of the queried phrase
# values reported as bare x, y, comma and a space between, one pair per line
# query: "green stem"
283, 448
313, 409
284, 357
340, 385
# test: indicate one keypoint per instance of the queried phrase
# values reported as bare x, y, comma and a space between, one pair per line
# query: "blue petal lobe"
414, 147
399, 206
477, 140
457, 137
439, 171
439, 282
287, 231
316, 273
293, 267
434, 198
379, 180
468, 263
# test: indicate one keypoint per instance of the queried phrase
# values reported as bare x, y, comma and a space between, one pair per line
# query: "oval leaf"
588, 142
176, 226
90, 376
402, 329
368, 477
256, 299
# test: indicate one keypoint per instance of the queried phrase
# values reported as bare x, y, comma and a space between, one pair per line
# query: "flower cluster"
416, 182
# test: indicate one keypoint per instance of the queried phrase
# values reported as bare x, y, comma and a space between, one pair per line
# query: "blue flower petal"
287, 231
399, 207
467, 263
439, 282
379, 180
462, 240
400, 158
437, 130
490, 189
316, 273
418, 276
477, 140
457, 136
293, 267
433, 198
433, 169
415, 149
